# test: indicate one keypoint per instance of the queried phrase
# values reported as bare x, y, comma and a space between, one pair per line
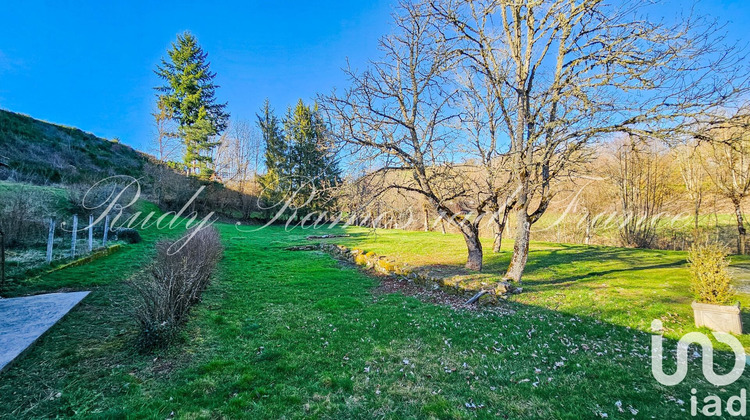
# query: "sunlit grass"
624, 286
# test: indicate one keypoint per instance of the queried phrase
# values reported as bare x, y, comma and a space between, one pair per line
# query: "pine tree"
300, 162
275, 181
313, 170
276, 147
189, 92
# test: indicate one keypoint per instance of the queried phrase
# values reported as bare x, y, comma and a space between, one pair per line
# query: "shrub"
22, 216
128, 235
84, 199
173, 283
710, 280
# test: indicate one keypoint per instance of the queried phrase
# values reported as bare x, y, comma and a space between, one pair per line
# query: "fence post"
106, 231
91, 232
50, 239
74, 236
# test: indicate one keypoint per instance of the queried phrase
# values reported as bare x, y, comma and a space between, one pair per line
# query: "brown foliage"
173, 283
22, 217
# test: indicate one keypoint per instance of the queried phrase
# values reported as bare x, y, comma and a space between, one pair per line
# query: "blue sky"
90, 64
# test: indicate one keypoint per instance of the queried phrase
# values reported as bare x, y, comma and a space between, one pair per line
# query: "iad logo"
712, 403
708, 357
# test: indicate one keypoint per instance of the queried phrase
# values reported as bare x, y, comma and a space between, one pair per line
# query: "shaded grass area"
296, 334
623, 286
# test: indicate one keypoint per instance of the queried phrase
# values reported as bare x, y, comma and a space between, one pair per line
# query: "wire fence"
67, 239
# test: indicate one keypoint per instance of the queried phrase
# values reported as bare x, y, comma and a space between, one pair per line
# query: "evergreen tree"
189, 92
313, 170
300, 161
275, 181
273, 138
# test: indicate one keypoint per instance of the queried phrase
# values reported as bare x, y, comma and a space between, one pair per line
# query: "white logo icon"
708, 357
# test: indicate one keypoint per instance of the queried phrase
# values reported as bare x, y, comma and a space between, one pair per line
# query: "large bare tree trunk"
521, 247
741, 231
471, 236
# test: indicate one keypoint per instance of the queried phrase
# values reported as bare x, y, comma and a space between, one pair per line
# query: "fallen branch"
476, 297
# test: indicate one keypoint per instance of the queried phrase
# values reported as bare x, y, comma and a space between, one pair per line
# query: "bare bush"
173, 283
128, 235
22, 214
87, 199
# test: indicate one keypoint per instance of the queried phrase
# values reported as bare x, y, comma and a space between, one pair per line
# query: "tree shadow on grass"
616, 358
593, 274
573, 257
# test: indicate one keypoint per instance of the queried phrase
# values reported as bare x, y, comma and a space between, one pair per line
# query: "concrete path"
24, 319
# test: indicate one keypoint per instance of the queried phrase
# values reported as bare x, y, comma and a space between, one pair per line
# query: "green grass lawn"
283, 334
622, 286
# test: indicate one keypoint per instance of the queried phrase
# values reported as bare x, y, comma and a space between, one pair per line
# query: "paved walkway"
24, 319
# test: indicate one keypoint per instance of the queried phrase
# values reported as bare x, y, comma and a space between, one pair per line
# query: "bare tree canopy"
567, 73
404, 113
482, 106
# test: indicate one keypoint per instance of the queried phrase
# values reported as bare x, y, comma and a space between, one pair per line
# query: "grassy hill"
42, 153
46, 170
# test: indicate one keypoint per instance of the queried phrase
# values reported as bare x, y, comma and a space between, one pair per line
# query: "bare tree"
237, 160
505, 201
728, 165
167, 144
640, 173
593, 197
233, 157
693, 175
567, 73
402, 113
482, 126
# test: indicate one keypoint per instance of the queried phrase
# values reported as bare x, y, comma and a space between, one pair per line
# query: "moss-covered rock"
360, 259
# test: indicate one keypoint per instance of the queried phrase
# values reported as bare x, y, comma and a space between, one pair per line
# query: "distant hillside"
43, 153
